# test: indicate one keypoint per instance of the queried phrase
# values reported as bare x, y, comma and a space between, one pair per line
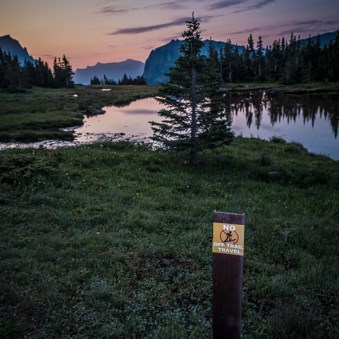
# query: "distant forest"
292, 61
17, 77
126, 80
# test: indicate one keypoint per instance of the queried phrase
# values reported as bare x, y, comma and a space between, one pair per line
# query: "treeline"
17, 77
286, 61
126, 80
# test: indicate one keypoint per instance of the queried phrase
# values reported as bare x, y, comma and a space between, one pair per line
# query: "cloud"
173, 5
281, 29
143, 29
114, 10
225, 4
309, 26
252, 29
255, 6
248, 5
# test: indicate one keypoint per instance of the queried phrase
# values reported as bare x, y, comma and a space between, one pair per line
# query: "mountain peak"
13, 46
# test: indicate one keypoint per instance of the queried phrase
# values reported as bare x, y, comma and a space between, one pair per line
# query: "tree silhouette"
193, 117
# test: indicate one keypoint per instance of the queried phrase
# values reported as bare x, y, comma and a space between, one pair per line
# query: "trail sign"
228, 260
228, 239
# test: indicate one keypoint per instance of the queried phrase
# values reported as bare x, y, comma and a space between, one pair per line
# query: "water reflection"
128, 122
289, 107
310, 119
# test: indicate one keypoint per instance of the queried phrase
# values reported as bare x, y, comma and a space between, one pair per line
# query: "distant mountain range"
158, 63
113, 71
12, 46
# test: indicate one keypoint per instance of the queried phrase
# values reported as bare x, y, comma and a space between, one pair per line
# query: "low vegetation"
114, 240
42, 113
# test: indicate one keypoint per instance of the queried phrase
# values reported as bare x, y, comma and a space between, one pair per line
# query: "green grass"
114, 240
41, 113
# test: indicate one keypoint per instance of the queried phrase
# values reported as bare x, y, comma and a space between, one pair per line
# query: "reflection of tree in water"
250, 104
285, 107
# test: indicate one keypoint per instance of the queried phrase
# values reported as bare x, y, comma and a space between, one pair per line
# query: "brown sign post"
228, 262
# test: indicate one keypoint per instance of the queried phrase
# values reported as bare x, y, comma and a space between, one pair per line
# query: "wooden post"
228, 261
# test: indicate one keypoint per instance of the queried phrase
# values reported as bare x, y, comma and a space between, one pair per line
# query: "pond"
309, 119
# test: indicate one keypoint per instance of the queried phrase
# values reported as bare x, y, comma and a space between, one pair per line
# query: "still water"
127, 122
309, 119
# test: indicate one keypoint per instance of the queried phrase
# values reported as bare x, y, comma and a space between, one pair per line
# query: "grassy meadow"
115, 239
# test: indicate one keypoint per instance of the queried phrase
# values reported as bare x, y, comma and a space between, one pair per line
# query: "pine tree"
68, 72
334, 59
14, 75
228, 62
215, 125
259, 60
2, 69
63, 72
192, 118
95, 80
248, 58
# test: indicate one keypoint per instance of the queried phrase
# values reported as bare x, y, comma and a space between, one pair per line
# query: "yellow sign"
228, 238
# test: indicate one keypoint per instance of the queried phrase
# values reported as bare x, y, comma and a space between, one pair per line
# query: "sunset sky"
91, 31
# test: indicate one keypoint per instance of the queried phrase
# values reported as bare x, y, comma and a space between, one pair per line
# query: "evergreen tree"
248, 58
215, 127
228, 62
17, 77
2, 69
63, 72
15, 80
139, 80
334, 59
259, 60
67, 72
95, 81
192, 117
125, 80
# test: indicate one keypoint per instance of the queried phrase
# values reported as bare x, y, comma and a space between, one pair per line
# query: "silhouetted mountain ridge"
113, 71
324, 39
13, 47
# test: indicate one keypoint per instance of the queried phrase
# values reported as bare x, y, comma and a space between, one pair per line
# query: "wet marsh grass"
114, 240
